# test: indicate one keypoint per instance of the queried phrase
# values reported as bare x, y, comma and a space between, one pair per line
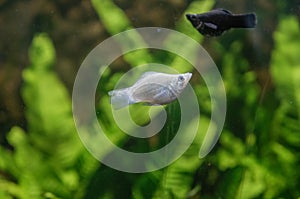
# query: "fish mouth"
194, 20
189, 16
188, 76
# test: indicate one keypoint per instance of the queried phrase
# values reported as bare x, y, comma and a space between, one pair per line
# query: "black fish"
215, 22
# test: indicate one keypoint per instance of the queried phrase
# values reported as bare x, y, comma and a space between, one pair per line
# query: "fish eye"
180, 78
193, 17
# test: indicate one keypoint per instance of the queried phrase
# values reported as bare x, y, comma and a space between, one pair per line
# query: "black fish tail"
243, 20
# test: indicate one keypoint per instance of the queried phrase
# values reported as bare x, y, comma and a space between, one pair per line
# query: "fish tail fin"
119, 98
244, 20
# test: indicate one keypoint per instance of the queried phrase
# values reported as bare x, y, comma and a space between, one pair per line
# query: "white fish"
152, 88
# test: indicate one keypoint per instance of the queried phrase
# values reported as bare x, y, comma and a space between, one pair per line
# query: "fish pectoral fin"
160, 95
211, 25
163, 97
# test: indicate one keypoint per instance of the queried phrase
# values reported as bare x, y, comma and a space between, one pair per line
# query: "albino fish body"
152, 88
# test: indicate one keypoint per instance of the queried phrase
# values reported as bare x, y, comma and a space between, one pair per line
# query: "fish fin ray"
224, 10
164, 95
144, 75
211, 25
120, 98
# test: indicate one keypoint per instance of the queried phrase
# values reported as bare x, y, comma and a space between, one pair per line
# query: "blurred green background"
43, 43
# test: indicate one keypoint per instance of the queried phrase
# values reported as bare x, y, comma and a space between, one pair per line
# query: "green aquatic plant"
48, 159
256, 157
258, 147
178, 176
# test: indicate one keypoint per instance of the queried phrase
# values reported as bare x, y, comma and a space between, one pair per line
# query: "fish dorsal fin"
146, 74
224, 10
